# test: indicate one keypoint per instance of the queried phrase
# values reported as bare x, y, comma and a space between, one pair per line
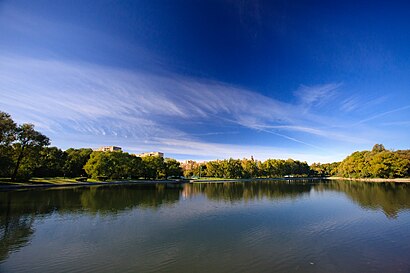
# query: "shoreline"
372, 180
4, 187
198, 181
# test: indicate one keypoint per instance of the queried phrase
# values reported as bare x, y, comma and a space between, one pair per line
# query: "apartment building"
108, 149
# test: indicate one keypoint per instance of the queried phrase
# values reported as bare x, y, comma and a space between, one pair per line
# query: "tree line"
247, 168
25, 153
377, 163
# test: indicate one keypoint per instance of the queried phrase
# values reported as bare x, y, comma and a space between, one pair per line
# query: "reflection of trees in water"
18, 209
389, 197
98, 199
15, 227
119, 198
234, 191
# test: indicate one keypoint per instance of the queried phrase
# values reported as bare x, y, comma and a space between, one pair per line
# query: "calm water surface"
226, 227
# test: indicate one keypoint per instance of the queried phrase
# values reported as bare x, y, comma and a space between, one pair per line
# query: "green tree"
405, 154
214, 169
136, 167
153, 167
7, 135
326, 169
172, 168
50, 162
28, 141
273, 167
75, 161
356, 165
376, 163
114, 165
387, 164
250, 168
7, 129
232, 168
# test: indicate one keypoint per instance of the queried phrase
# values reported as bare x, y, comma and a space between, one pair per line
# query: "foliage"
172, 168
7, 135
404, 154
23, 153
232, 168
75, 161
214, 169
279, 167
28, 142
250, 168
153, 167
7, 129
377, 148
50, 162
114, 165
326, 169
247, 168
379, 162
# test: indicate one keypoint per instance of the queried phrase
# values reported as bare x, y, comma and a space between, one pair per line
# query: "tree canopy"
247, 168
378, 162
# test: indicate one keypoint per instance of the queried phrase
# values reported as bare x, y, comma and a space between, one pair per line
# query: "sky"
203, 80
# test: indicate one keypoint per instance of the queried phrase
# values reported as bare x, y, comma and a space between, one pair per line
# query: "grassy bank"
6, 184
43, 181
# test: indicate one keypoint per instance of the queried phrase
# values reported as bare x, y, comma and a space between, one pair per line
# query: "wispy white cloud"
382, 114
83, 99
207, 150
356, 102
350, 104
317, 94
92, 105
72, 92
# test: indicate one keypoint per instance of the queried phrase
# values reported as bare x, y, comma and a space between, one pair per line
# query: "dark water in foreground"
228, 227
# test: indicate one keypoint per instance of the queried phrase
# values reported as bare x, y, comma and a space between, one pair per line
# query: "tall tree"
27, 140
250, 168
50, 162
7, 129
378, 148
153, 167
113, 165
76, 159
7, 136
172, 167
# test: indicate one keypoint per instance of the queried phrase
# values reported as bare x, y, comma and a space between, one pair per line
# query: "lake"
265, 226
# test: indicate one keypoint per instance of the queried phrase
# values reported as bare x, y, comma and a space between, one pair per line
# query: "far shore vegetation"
25, 154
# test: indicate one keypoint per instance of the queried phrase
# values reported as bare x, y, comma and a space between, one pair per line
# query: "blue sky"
310, 80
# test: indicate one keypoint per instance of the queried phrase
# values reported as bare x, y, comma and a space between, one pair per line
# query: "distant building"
108, 149
151, 154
